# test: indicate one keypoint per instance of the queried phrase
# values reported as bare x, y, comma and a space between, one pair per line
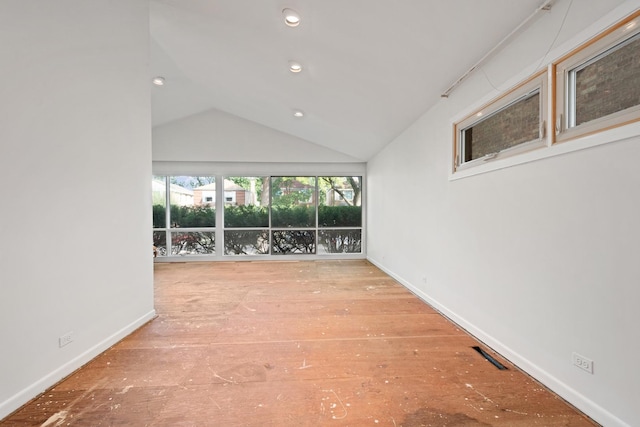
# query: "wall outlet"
582, 362
65, 339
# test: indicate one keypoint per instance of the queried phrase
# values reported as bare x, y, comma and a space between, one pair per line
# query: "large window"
340, 214
246, 215
261, 215
293, 215
509, 125
599, 84
159, 200
186, 224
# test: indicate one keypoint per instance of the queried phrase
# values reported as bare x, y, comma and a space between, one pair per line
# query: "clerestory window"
598, 85
511, 124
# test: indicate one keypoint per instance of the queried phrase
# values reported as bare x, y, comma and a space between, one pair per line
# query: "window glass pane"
293, 242
246, 242
515, 124
193, 201
609, 83
339, 241
159, 200
293, 201
339, 198
262, 215
193, 243
246, 202
160, 243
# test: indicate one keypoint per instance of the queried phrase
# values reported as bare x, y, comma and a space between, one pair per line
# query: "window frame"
560, 140
169, 229
584, 55
163, 171
539, 82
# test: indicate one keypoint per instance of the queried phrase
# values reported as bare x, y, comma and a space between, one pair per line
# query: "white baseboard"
15, 402
584, 404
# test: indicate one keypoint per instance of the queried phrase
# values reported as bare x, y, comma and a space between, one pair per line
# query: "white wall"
537, 260
221, 137
75, 165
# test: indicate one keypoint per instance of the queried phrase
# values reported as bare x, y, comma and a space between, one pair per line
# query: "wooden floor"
310, 343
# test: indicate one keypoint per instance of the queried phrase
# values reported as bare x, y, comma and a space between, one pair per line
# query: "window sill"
611, 135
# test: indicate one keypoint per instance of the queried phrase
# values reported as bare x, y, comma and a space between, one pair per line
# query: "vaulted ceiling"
370, 68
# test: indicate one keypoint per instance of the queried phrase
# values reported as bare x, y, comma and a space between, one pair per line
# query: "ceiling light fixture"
295, 67
298, 113
291, 17
158, 81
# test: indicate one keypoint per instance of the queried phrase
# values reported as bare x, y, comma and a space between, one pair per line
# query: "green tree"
259, 183
191, 182
291, 191
340, 184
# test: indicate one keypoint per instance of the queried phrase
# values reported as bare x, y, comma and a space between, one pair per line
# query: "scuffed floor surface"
311, 343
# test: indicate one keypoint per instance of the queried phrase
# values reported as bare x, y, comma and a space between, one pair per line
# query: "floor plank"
302, 343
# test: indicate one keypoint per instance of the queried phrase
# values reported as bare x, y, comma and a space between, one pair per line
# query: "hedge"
256, 216
339, 216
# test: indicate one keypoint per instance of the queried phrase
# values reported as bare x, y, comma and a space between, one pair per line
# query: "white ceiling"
371, 67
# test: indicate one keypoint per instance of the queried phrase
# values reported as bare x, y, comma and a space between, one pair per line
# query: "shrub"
294, 216
339, 216
246, 216
159, 219
193, 216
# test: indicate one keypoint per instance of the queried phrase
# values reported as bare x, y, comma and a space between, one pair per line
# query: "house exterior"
289, 187
234, 195
178, 195
340, 195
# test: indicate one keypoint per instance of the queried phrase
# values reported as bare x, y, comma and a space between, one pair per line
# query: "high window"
599, 84
508, 125
595, 88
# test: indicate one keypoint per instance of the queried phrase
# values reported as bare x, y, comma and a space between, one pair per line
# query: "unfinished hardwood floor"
307, 343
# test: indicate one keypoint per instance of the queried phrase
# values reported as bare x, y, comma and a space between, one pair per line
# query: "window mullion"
219, 233
167, 214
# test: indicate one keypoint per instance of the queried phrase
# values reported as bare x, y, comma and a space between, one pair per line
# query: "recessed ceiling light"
158, 81
291, 17
295, 67
298, 113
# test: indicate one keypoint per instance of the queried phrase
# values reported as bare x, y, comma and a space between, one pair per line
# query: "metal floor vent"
487, 356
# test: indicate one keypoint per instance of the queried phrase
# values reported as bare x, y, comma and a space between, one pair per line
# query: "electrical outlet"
65, 339
583, 363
